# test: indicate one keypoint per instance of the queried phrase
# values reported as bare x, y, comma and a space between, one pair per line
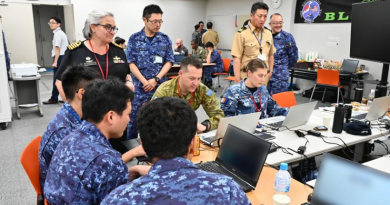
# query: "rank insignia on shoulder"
74, 45
209, 93
115, 44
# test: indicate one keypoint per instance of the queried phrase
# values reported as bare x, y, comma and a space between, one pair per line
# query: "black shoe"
61, 101
50, 101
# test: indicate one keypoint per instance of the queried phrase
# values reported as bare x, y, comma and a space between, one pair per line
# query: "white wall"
179, 16
18, 27
69, 26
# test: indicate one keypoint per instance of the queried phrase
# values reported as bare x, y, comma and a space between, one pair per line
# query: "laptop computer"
297, 116
343, 182
377, 109
178, 59
349, 66
246, 122
241, 156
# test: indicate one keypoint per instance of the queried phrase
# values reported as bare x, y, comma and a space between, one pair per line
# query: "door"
43, 33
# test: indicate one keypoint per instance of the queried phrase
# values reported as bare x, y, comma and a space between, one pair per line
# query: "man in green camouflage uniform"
187, 86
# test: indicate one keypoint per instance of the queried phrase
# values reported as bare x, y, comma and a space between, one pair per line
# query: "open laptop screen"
350, 65
342, 182
243, 153
178, 58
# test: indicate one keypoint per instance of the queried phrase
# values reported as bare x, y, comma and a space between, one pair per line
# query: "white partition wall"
5, 106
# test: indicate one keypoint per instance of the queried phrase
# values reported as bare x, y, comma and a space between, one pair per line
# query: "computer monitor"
343, 182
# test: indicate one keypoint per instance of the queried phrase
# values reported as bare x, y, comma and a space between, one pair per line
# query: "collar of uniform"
279, 35
57, 29
187, 96
174, 164
72, 114
157, 36
94, 134
246, 90
254, 28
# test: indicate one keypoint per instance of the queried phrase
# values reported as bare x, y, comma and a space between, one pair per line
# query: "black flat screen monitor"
370, 31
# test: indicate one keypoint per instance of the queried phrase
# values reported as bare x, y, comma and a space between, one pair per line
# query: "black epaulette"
115, 44
241, 29
74, 45
267, 28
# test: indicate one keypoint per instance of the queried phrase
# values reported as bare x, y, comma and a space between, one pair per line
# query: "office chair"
285, 99
226, 65
328, 78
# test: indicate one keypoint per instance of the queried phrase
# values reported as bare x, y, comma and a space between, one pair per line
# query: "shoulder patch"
209, 93
74, 45
115, 44
224, 100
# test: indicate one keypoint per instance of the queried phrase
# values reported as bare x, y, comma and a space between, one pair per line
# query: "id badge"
158, 59
262, 57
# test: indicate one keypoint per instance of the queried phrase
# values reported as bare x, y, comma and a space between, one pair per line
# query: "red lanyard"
254, 103
101, 70
178, 92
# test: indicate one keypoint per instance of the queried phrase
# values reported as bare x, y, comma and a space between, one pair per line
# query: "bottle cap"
283, 166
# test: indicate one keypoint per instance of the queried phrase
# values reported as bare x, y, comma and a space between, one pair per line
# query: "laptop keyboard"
275, 124
208, 139
209, 167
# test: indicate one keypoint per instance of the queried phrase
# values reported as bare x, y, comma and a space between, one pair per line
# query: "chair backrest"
30, 163
226, 64
285, 99
328, 77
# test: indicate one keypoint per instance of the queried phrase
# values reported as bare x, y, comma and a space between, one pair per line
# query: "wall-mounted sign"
325, 11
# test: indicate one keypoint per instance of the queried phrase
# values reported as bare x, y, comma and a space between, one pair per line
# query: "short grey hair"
275, 14
94, 18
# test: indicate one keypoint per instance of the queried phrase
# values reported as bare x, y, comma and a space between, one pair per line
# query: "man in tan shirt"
210, 36
253, 41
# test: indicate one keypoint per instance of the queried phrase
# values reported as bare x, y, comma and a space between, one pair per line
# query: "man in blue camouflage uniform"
173, 178
250, 95
68, 118
286, 56
212, 57
84, 167
150, 56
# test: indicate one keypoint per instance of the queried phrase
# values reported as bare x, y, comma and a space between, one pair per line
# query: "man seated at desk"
212, 57
84, 167
180, 48
187, 86
250, 95
173, 178
197, 50
68, 118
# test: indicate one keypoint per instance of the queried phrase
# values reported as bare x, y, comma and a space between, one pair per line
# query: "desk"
175, 68
345, 78
265, 187
316, 145
27, 92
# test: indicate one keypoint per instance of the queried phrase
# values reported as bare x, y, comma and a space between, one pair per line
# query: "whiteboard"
224, 25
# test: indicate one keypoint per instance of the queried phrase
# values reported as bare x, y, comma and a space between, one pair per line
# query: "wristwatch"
157, 79
129, 80
206, 124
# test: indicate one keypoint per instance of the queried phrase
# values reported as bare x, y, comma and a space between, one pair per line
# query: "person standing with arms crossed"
150, 56
253, 41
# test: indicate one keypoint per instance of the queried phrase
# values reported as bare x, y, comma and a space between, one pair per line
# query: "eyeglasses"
155, 22
51, 23
109, 28
278, 23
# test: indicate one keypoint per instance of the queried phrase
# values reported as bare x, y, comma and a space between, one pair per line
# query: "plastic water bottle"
371, 97
282, 180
